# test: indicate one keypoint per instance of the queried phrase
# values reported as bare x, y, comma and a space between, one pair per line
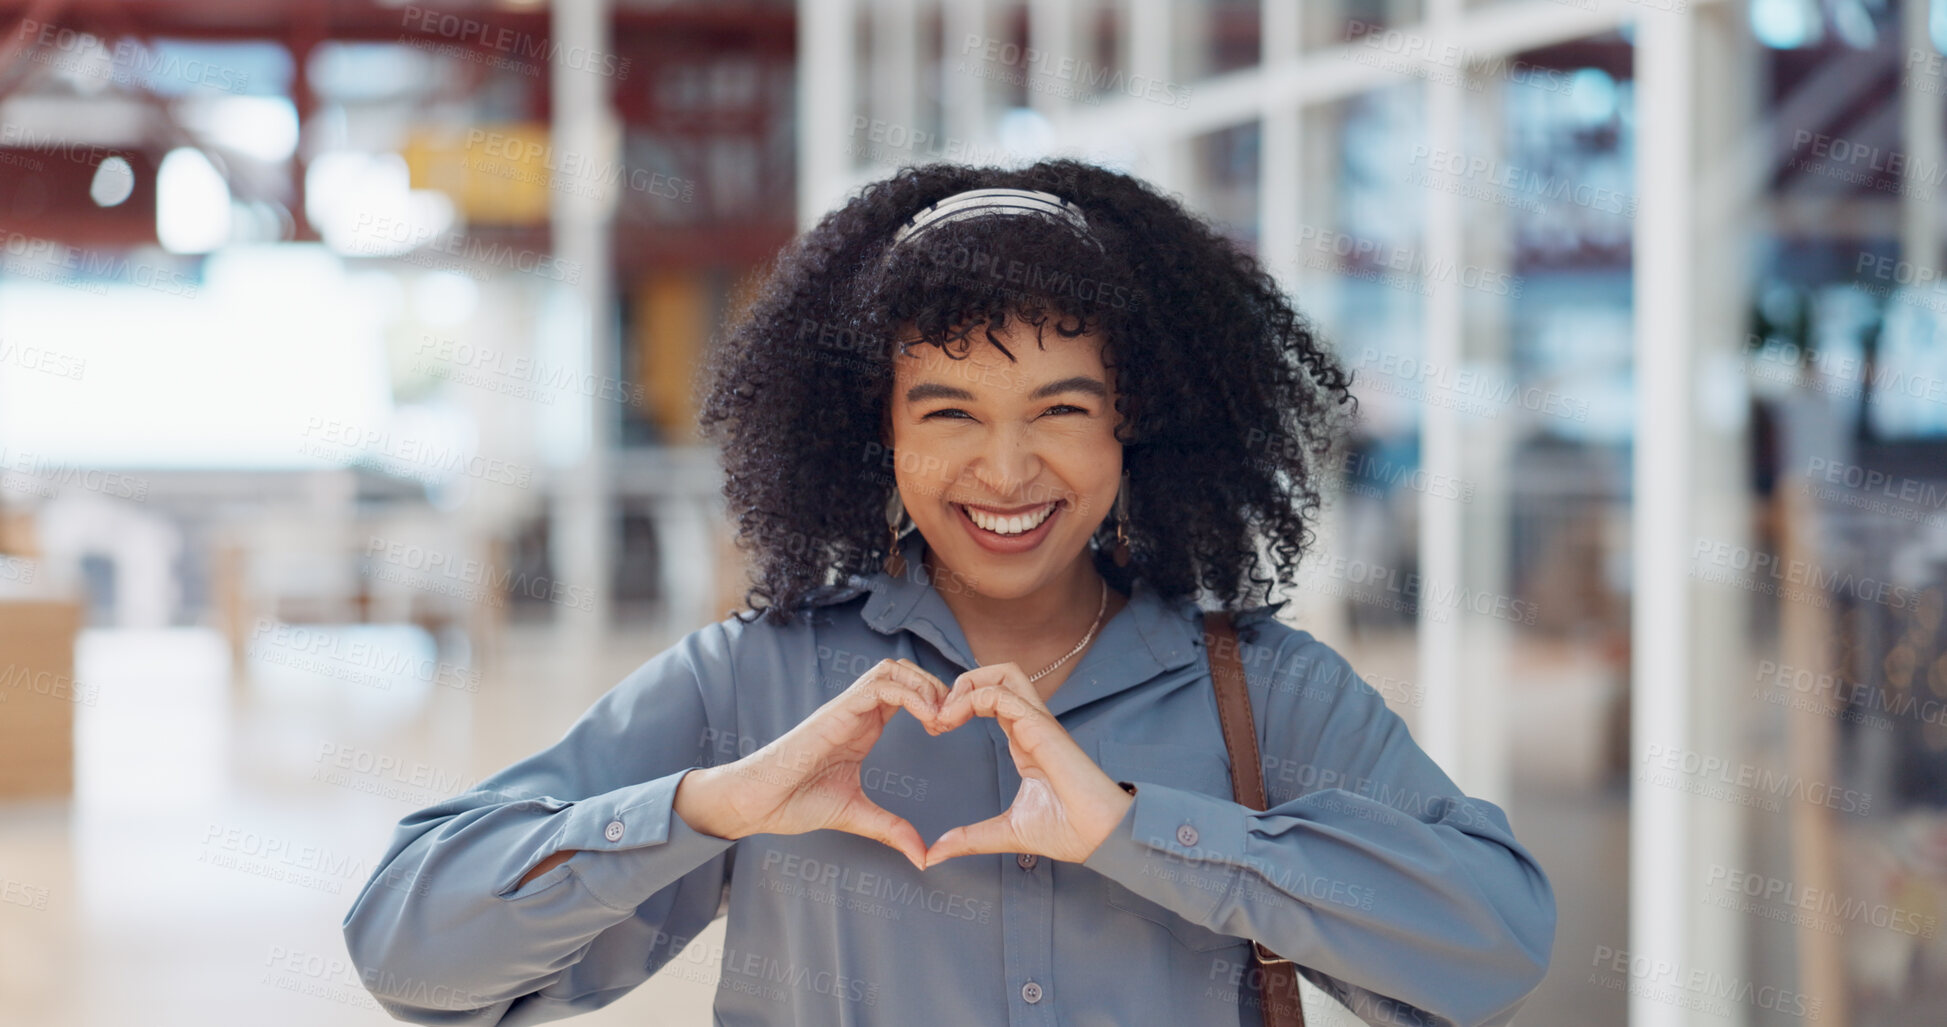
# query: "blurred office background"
346, 442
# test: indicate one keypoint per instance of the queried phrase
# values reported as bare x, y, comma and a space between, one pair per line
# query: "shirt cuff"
1177, 848
637, 843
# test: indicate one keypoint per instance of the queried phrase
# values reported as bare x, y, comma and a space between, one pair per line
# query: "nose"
1006, 463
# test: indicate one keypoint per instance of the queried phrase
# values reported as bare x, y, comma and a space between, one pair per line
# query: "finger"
907, 673
885, 684
930, 686
982, 700
907, 697
998, 702
917, 677
953, 709
870, 820
1036, 739
914, 679
1011, 677
1007, 676
928, 676
995, 834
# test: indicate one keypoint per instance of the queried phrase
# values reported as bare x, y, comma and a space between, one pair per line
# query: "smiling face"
1006, 466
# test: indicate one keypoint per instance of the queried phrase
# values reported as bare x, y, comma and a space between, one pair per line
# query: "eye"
948, 410
1066, 406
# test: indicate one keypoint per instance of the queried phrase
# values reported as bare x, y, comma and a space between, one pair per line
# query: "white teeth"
1014, 525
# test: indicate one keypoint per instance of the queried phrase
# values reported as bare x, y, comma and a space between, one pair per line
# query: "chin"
999, 576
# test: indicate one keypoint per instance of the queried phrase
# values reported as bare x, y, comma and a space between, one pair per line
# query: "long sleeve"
441, 934
1399, 895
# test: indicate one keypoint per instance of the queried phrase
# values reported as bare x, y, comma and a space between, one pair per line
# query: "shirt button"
1026, 859
1186, 835
614, 831
1031, 992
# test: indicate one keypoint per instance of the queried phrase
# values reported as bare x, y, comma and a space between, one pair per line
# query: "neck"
1032, 630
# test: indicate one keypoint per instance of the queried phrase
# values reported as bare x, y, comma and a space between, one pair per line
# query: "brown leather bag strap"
1277, 977
1234, 709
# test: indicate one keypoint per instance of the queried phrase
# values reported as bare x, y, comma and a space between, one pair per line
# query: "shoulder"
1290, 666
742, 634
1321, 723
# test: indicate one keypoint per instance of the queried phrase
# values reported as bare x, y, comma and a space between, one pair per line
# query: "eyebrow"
1077, 383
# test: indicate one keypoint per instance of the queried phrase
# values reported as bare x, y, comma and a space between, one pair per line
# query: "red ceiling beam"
371, 22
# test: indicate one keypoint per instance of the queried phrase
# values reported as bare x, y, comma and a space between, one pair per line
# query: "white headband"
981, 202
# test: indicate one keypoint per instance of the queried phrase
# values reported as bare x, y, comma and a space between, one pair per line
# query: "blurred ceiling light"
111, 121
114, 183
192, 203
177, 67
352, 72
1786, 24
264, 127
363, 205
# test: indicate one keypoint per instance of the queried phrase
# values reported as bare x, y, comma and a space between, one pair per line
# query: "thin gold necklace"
1086, 639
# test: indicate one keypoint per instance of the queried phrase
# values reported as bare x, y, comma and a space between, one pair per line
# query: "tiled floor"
221, 827
219, 831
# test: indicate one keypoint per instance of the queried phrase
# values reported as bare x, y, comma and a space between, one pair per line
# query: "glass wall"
1639, 529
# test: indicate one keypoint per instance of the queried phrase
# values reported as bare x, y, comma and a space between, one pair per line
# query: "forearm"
699, 801
477, 927
1446, 915
704, 800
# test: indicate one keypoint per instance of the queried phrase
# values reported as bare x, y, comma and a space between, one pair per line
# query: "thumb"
870, 820
995, 834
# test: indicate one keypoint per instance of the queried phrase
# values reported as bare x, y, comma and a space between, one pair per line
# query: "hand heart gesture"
809, 778
1066, 805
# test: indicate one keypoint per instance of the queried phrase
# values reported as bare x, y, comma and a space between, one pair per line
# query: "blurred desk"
38, 694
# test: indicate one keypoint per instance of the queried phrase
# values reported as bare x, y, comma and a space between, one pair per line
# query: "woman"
987, 434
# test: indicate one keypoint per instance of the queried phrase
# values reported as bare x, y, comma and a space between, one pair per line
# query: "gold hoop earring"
1120, 554
895, 514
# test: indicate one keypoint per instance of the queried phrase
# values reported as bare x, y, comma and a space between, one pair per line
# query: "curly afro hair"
1231, 405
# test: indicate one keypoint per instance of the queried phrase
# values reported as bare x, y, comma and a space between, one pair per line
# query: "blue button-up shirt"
1405, 899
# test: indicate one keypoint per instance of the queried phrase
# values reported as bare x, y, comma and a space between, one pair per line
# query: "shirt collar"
1145, 638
